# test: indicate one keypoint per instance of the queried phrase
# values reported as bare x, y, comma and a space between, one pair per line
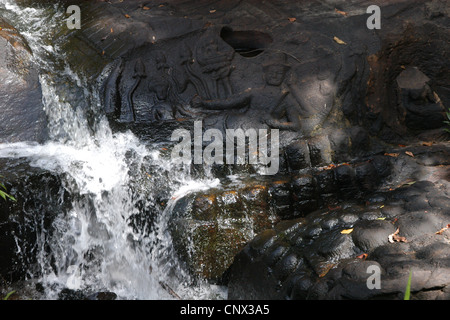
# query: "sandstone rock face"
22, 117
40, 197
329, 253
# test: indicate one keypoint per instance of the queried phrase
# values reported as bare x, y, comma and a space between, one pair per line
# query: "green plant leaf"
408, 287
4, 195
9, 295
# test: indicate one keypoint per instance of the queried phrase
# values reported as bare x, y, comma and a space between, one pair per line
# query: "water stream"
93, 246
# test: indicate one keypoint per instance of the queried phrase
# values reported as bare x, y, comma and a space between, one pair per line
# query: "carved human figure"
184, 74
161, 108
215, 59
271, 105
419, 104
127, 109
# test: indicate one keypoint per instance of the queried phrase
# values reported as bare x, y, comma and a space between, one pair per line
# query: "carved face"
161, 91
274, 75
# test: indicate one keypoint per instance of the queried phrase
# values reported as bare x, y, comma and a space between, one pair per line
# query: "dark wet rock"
40, 197
369, 234
102, 296
337, 262
22, 117
422, 107
217, 224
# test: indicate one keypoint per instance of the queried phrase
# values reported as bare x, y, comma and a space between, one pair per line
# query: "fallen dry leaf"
331, 208
409, 153
325, 269
112, 30
427, 144
362, 256
408, 182
339, 41
443, 229
292, 19
347, 231
212, 11
127, 16
402, 146
395, 155
341, 12
145, 8
395, 237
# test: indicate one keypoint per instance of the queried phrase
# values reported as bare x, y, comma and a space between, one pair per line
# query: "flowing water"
93, 246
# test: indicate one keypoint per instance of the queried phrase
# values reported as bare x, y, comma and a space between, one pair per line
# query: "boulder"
23, 117
26, 224
399, 228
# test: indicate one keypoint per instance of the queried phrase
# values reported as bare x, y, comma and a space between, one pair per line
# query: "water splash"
94, 247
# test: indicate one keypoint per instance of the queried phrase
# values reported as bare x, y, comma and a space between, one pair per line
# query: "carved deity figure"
215, 58
269, 106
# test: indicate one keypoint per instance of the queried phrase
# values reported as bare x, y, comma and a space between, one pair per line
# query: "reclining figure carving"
274, 105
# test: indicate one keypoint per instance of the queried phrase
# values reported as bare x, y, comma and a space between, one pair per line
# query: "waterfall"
93, 246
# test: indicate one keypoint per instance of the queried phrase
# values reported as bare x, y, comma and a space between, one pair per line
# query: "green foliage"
9, 295
408, 287
447, 121
3, 193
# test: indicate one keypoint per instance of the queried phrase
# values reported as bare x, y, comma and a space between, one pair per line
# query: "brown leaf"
339, 41
127, 16
145, 8
427, 144
292, 19
443, 229
395, 155
324, 269
341, 12
112, 30
407, 182
396, 238
409, 153
402, 146
212, 11
331, 208
347, 231
362, 256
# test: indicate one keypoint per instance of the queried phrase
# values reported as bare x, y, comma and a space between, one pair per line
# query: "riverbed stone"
23, 117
